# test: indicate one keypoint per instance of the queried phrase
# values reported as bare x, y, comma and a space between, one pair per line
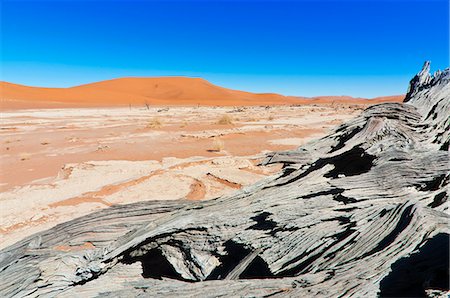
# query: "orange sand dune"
150, 91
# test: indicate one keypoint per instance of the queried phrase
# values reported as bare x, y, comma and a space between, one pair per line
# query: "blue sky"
326, 47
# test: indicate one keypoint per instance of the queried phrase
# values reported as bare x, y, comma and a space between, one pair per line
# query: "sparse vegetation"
102, 147
217, 145
225, 120
154, 123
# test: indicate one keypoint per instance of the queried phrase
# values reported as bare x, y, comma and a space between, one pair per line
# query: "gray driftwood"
361, 212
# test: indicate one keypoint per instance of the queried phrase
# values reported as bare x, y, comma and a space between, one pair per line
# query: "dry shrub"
101, 147
225, 120
217, 145
154, 123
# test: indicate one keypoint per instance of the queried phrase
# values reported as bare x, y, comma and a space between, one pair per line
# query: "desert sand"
59, 164
169, 91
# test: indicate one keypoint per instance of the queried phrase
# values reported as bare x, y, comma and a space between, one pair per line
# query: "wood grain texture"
361, 212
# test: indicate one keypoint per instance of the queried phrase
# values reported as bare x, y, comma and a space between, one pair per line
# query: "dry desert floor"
59, 164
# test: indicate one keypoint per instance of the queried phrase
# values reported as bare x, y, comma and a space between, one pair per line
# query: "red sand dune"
152, 91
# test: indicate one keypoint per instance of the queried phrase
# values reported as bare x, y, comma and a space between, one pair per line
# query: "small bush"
217, 145
154, 123
225, 120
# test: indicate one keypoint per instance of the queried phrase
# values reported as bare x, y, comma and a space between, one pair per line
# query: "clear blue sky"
360, 48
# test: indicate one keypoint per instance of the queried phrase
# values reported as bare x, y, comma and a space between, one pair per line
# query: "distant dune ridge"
154, 91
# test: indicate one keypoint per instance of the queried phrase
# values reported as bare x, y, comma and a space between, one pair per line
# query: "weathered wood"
349, 214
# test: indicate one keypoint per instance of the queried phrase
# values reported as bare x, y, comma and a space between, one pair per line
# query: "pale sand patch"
155, 188
74, 180
288, 141
83, 188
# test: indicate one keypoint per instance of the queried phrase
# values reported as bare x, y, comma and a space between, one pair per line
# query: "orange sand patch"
79, 200
28, 160
198, 191
28, 223
66, 248
225, 182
